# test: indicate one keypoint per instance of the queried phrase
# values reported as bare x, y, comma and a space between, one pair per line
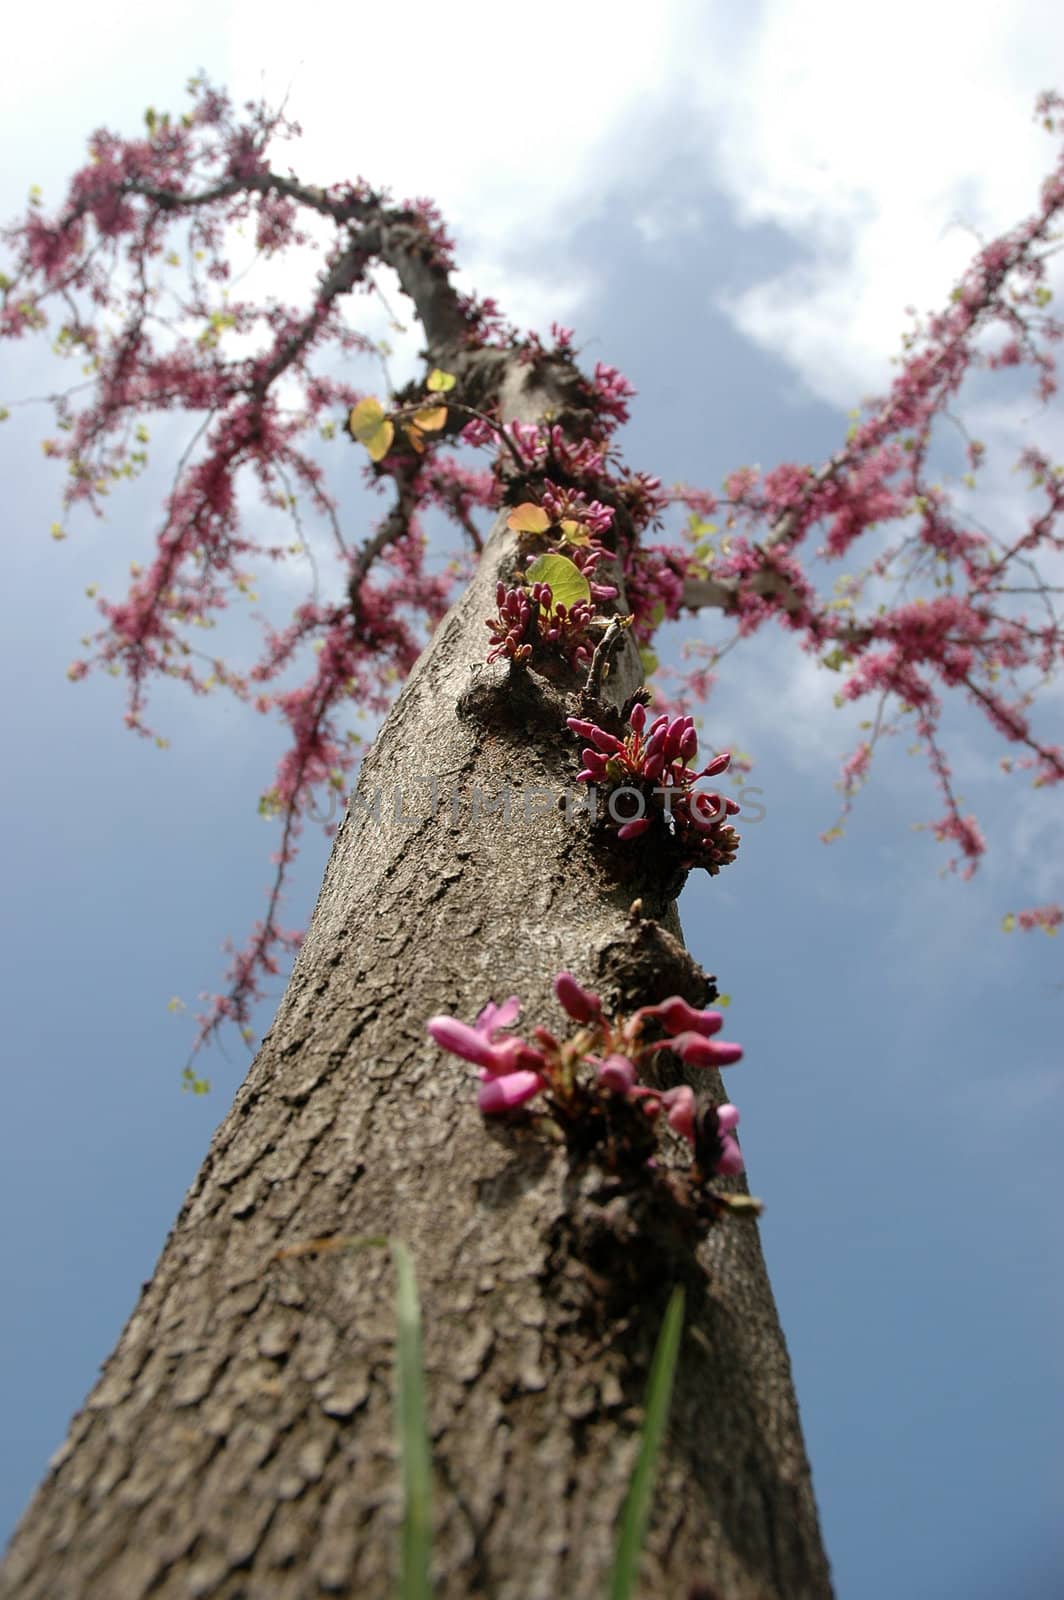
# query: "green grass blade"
636, 1511
414, 1463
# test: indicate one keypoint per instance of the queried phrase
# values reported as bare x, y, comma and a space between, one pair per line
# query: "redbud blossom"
697, 1051
655, 762
506, 1093
513, 1071
676, 1016
730, 1161
617, 1073
462, 1040
578, 1003
681, 1108
494, 1017
512, 1055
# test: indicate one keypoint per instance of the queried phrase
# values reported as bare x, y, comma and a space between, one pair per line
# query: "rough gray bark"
240, 1439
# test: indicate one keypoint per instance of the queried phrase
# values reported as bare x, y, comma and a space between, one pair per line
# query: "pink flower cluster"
528, 616
612, 391
654, 577
1048, 918
577, 526
601, 1061
563, 505
540, 445
654, 763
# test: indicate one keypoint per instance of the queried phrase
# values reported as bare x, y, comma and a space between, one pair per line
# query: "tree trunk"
240, 1441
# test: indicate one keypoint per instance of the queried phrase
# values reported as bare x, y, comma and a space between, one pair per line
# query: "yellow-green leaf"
567, 582
431, 418
368, 424
528, 518
439, 382
575, 532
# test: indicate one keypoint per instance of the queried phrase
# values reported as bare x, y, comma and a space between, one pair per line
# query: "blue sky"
736, 218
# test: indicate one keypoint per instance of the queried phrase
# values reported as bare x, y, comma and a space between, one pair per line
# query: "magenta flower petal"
679, 1017
632, 830
514, 1055
698, 1051
504, 1094
681, 1110
727, 1118
493, 1016
462, 1040
580, 1004
730, 1160
617, 1073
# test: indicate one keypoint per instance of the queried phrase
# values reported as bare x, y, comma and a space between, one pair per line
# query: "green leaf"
416, 1548
440, 382
636, 1511
567, 582
650, 662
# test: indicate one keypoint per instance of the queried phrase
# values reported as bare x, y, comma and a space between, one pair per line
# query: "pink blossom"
580, 1004
697, 1051
730, 1161
494, 1017
655, 761
617, 1073
478, 433
462, 1040
681, 1110
508, 1092
676, 1016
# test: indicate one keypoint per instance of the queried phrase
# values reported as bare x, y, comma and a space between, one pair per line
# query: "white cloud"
512, 120
877, 139
867, 137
